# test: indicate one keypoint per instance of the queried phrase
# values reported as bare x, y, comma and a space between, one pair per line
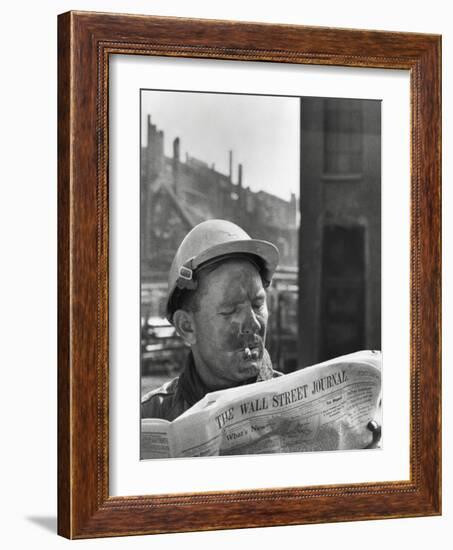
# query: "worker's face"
230, 324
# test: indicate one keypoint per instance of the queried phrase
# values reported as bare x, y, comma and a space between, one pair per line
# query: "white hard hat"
212, 241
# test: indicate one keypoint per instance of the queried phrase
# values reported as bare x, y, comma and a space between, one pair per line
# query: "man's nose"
251, 323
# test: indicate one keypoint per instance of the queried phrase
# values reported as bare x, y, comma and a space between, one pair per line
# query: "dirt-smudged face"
230, 325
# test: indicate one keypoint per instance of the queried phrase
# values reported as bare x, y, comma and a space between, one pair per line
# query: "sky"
262, 131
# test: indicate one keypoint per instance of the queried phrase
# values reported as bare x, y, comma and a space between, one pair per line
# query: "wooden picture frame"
85, 41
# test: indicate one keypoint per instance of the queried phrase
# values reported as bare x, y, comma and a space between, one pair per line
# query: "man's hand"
376, 430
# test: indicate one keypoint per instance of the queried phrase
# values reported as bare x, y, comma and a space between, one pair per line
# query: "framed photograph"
249, 275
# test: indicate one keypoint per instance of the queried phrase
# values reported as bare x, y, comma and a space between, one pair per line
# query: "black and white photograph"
260, 274
227, 275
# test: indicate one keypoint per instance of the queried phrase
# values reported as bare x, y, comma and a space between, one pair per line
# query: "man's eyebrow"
230, 302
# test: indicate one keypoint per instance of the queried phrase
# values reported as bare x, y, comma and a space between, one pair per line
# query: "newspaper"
320, 408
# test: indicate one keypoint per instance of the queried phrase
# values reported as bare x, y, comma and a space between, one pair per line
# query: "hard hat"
209, 242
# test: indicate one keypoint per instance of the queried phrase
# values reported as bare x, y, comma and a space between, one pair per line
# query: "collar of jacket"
193, 388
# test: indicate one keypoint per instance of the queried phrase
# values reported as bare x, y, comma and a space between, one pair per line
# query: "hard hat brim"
264, 250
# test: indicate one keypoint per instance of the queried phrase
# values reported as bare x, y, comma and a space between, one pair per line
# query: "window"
342, 290
342, 136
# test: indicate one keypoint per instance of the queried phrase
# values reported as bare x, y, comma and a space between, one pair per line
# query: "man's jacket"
176, 396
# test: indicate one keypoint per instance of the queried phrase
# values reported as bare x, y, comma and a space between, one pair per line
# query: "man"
217, 303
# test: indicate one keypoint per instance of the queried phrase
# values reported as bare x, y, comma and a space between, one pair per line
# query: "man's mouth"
251, 353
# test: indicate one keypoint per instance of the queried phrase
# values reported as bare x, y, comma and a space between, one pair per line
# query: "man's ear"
184, 325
